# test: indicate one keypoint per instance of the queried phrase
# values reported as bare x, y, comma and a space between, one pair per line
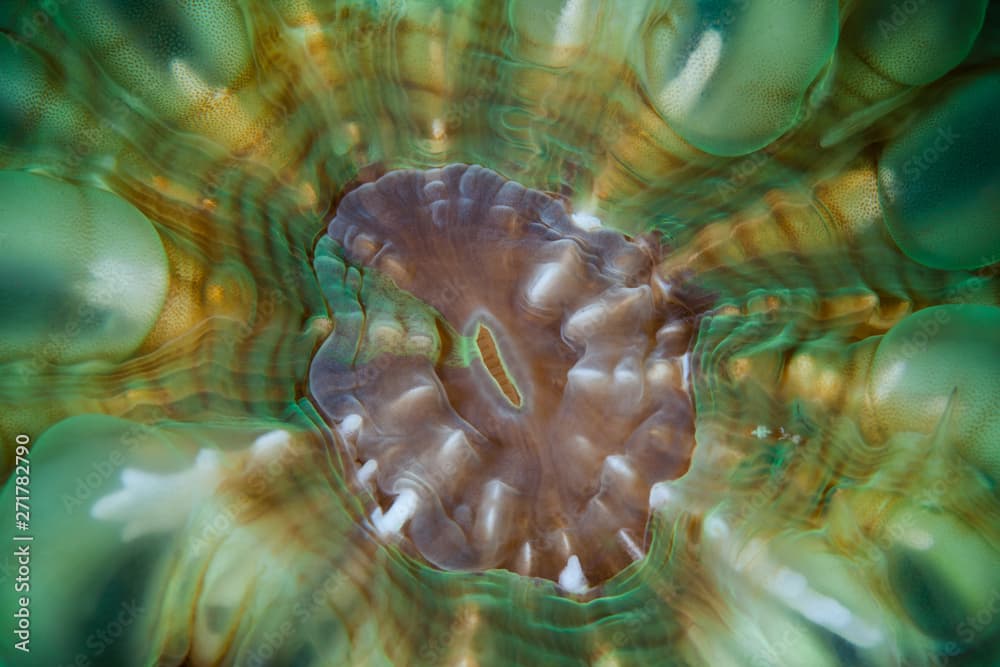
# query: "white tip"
571, 578
526, 557
862, 634
415, 401
627, 372
716, 528
670, 329
681, 94
824, 611
544, 284
753, 556
586, 221
107, 507
270, 444
437, 128
660, 495
788, 583
832, 615
208, 459
402, 510
660, 373
367, 471
919, 539
151, 502
628, 387
350, 426
491, 508
140, 479
456, 444
633, 549
620, 465
581, 378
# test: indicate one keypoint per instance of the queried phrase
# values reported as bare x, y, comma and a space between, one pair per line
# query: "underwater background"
512, 332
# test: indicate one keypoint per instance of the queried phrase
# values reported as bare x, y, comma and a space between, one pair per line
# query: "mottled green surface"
827, 171
79, 264
939, 181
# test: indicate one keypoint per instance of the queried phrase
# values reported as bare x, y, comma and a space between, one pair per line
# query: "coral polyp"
562, 332
516, 381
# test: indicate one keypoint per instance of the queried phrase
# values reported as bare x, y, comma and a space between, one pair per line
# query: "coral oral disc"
525, 423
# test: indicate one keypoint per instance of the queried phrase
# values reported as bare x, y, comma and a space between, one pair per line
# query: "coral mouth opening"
506, 384
490, 357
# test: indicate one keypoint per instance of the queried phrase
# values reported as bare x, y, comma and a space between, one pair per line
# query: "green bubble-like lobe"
939, 355
84, 272
945, 574
938, 181
730, 77
72, 465
893, 37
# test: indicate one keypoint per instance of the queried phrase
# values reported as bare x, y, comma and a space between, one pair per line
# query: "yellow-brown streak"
491, 359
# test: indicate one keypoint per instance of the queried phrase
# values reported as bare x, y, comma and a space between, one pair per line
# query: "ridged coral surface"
514, 332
